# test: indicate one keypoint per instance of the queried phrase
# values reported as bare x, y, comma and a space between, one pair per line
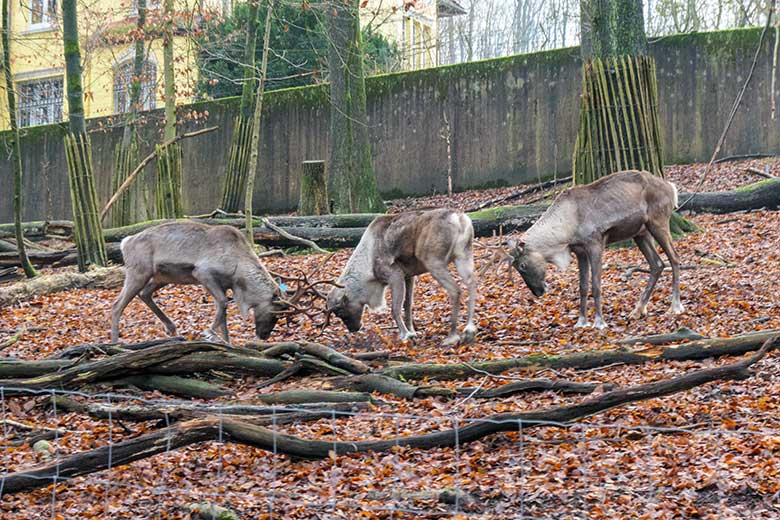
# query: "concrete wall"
512, 120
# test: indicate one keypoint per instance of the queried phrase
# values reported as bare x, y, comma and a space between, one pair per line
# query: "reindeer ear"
344, 299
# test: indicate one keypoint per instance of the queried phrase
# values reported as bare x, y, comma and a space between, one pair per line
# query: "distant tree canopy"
299, 51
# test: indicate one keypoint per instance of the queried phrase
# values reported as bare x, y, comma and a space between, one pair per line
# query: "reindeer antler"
302, 300
497, 257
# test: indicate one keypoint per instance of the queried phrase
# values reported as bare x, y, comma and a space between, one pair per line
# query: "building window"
43, 13
151, 5
123, 79
40, 102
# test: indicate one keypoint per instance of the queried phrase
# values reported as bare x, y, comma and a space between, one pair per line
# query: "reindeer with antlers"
215, 257
393, 251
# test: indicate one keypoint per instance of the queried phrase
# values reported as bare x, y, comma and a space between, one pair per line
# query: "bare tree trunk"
87, 227
16, 154
238, 158
619, 127
352, 181
168, 196
131, 207
256, 119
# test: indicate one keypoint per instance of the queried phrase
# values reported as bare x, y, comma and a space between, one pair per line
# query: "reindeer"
584, 219
394, 250
215, 257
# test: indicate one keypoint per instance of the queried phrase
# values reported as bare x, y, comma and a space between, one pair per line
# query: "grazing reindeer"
392, 252
216, 257
584, 219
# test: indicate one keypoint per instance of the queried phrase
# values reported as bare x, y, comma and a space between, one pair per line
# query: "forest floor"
711, 452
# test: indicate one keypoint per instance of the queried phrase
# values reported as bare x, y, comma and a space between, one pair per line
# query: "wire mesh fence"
538, 470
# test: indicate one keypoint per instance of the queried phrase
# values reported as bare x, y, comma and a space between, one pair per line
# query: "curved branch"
212, 428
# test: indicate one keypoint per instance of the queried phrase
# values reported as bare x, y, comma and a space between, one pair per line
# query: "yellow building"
107, 52
413, 25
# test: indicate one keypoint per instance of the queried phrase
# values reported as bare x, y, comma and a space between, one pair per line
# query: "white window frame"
23, 102
48, 20
148, 85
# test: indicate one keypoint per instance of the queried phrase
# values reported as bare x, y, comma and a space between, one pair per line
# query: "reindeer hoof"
599, 324
582, 322
451, 340
637, 313
675, 309
409, 336
469, 335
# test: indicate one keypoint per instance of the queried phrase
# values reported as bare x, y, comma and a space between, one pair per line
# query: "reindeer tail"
675, 196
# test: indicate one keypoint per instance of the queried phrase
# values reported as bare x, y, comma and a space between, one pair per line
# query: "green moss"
490, 213
681, 226
442, 76
536, 358
714, 42
755, 186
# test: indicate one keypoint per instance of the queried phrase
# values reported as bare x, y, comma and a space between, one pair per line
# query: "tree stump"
314, 189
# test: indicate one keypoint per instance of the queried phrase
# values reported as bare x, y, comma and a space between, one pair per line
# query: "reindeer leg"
663, 236
408, 303
583, 266
398, 296
594, 256
146, 297
442, 275
465, 267
220, 302
132, 286
645, 243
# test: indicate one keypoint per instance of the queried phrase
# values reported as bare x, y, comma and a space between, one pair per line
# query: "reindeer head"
347, 309
530, 264
266, 316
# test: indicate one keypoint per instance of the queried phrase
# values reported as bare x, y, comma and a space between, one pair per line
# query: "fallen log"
7, 247
62, 258
96, 278
241, 432
256, 361
182, 411
186, 363
10, 274
227, 361
762, 194
88, 349
304, 396
174, 385
39, 229
683, 333
387, 385
327, 354
345, 230
38, 258
701, 349
114, 367
535, 385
